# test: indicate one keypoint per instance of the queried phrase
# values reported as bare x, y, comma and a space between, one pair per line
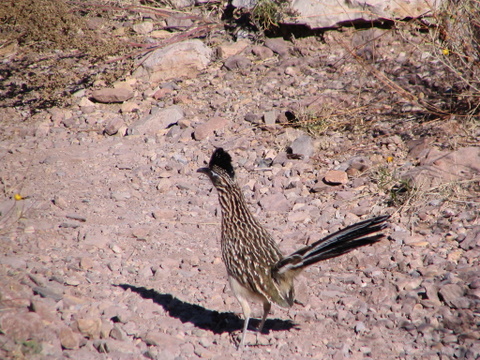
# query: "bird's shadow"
217, 322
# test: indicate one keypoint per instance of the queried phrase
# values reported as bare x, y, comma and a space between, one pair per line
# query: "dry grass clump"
51, 24
456, 43
43, 21
53, 53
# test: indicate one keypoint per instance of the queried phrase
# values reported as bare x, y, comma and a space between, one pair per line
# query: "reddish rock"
207, 129
336, 177
278, 45
262, 52
112, 95
21, 326
237, 62
113, 125
226, 50
161, 93
69, 339
89, 327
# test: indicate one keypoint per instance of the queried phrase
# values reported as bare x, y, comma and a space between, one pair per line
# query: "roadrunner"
256, 268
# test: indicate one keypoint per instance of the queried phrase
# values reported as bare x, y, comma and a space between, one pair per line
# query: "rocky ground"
109, 237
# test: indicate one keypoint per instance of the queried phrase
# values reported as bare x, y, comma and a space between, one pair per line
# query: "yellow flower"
446, 52
389, 159
19, 197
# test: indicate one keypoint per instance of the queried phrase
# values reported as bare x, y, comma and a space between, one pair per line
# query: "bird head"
220, 169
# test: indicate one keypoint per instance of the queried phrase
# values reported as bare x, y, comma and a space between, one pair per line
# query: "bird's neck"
233, 204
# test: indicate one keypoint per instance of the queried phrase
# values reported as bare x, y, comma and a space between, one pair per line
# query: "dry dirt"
109, 245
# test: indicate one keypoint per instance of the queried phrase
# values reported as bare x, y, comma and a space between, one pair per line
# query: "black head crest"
223, 160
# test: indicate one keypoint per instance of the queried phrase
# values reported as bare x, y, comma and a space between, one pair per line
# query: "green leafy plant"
268, 13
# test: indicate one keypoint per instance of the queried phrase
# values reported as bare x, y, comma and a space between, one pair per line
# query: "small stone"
290, 71
84, 103
112, 95
29, 229
164, 214
45, 308
60, 202
116, 249
455, 255
131, 329
225, 51
20, 326
141, 233
143, 28
203, 353
42, 129
116, 333
262, 52
164, 185
303, 145
90, 327
178, 22
47, 292
76, 217
253, 118
451, 293
107, 326
69, 339
277, 45
96, 239
169, 344
8, 291
475, 284
86, 263
299, 216
158, 120
206, 129
335, 177
237, 62
72, 281
120, 195
270, 117
161, 93
113, 125
360, 327
129, 106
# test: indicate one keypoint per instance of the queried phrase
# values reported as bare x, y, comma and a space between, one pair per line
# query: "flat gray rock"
158, 120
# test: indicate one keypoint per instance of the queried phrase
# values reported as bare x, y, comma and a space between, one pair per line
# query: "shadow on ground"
217, 322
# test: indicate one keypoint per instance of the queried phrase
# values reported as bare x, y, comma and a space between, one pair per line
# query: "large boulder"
334, 13
180, 60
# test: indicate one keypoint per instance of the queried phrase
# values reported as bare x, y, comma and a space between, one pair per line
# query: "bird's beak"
204, 170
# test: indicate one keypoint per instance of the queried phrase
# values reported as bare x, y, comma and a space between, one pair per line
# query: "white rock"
331, 13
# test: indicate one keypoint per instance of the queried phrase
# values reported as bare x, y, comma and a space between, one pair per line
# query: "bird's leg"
244, 333
266, 310
246, 313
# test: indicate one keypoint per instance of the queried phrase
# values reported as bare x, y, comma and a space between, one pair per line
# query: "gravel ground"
112, 250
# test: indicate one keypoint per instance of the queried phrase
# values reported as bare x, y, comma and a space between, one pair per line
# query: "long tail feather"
333, 245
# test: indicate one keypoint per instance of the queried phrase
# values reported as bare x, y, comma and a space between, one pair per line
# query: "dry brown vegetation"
56, 49
59, 47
